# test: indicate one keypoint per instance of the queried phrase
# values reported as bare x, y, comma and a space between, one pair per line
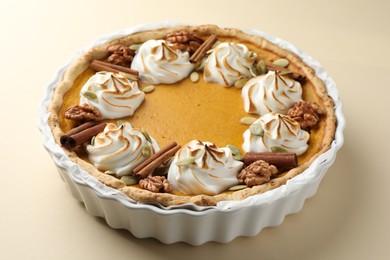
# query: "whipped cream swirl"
158, 63
112, 94
270, 93
119, 149
279, 131
227, 63
212, 171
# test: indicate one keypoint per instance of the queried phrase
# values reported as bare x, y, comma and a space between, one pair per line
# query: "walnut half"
83, 113
156, 184
257, 173
306, 113
184, 41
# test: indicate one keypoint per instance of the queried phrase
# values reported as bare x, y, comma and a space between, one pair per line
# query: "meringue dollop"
112, 94
212, 171
227, 63
159, 63
279, 131
119, 149
271, 93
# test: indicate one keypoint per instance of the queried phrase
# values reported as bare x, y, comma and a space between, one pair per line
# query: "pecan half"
257, 173
120, 55
156, 184
83, 113
306, 113
184, 41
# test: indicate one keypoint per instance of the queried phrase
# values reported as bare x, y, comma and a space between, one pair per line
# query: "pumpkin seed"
120, 122
237, 187
247, 120
209, 51
234, 149
250, 54
256, 129
129, 180
253, 70
281, 62
278, 149
241, 82
90, 95
261, 67
215, 44
185, 161
147, 136
135, 47
93, 140
194, 76
129, 76
110, 172
285, 72
238, 157
146, 150
148, 89
200, 65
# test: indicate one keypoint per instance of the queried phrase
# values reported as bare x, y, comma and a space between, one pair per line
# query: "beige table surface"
348, 218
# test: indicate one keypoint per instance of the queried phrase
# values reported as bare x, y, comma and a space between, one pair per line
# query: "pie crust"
322, 137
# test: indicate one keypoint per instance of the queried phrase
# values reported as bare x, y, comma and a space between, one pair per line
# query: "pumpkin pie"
192, 114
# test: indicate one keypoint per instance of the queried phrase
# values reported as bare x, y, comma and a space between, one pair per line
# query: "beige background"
348, 218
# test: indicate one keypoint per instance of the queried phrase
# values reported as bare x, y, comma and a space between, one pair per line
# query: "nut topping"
83, 113
257, 173
184, 41
120, 55
306, 113
156, 184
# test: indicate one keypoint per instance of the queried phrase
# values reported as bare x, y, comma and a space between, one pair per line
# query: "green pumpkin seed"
129, 76
90, 95
216, 44
147, 136
194, 76
148, 89
120, 122
253, 70
261, 68
250, 54
146, 150
238, 157
200, 65
247, 120
240, 83
110, 172
234, 149
285, 72
281, 62
278, 149
93, 140
256, 129
237, 187
135, 47
185, 161
129, 180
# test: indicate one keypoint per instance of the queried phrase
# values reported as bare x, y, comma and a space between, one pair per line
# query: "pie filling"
192, 115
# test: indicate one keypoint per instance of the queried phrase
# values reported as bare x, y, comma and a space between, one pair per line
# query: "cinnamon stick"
279, 160
202, 50
81, 134
96, 66
114, 66
64, 139
149, 165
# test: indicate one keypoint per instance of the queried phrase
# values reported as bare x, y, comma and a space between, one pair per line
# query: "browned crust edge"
166, 199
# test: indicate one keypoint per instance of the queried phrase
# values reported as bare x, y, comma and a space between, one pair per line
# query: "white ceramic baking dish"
192, 224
